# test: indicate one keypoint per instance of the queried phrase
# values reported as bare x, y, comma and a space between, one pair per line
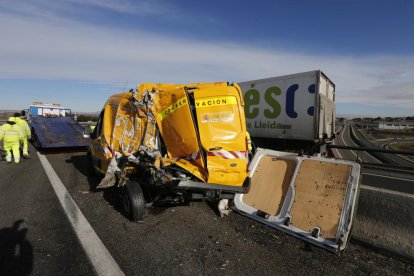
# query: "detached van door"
311, 198
221, 125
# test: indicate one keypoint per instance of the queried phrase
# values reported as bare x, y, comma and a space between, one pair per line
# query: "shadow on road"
112, 195
16, 252
80, 162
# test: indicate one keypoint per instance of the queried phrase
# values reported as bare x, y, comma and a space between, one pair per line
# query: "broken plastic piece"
223, 207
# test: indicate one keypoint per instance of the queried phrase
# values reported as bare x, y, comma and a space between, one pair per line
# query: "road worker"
249, 145
26, 133
11, 135
249, 142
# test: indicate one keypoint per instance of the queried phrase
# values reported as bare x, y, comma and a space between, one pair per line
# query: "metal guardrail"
388, 168
81, 123
368, 149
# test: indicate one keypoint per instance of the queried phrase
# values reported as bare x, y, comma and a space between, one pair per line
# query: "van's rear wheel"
133, 201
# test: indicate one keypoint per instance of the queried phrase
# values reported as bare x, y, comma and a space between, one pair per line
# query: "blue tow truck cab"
54, 127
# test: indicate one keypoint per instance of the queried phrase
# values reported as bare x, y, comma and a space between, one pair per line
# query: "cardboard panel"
270, 183
320, 189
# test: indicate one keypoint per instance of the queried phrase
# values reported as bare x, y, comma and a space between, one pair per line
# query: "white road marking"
343, 140
405, 158
391, 177
357, 155
337, 151
370, 155
98, 254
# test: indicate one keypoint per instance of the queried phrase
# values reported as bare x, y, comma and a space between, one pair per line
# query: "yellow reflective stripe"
215, 101
169, 110
12, 132
199, 103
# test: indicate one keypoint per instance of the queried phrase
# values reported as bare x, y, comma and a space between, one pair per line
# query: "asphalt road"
35, 236
394, 180
374, 175
388, 158
390, 143
184, 240
344, 138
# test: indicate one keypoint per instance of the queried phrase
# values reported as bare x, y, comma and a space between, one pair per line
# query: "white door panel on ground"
312, 198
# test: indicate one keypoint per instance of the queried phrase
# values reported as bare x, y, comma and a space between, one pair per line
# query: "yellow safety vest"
249, 142
24, 126
11, 133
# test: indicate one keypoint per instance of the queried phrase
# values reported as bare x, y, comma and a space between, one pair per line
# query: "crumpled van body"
176, 142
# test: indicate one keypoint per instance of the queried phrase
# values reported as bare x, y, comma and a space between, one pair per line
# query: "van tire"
133, 201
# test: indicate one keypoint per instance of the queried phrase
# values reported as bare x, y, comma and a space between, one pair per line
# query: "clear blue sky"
78, 52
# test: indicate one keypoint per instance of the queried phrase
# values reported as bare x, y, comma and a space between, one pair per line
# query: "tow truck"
53, 127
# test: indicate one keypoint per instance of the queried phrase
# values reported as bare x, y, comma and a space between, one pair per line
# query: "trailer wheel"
133, 201
35, 140
36, 143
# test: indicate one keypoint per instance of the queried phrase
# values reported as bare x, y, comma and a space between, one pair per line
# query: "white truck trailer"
291, 112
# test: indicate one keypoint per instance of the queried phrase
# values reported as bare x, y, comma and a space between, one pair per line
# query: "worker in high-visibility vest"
249, 146
249, 142
11, 135
26, 133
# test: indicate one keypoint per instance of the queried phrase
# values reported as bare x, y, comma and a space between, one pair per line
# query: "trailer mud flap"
312, 198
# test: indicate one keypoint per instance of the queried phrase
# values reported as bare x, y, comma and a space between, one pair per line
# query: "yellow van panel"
222, 128
124, 125
179, 111
175, 123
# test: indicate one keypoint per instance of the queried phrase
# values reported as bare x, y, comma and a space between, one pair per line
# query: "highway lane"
390, 143
176, 240
374, 176
344, 138
394, 180
35, 236
387, 158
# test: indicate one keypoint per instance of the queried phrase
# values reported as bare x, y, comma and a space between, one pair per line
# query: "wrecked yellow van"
168, 143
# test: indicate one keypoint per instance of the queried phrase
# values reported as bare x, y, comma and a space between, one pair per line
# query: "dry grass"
403, 146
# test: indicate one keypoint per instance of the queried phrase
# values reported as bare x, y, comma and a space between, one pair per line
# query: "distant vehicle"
295, 110
53, 127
